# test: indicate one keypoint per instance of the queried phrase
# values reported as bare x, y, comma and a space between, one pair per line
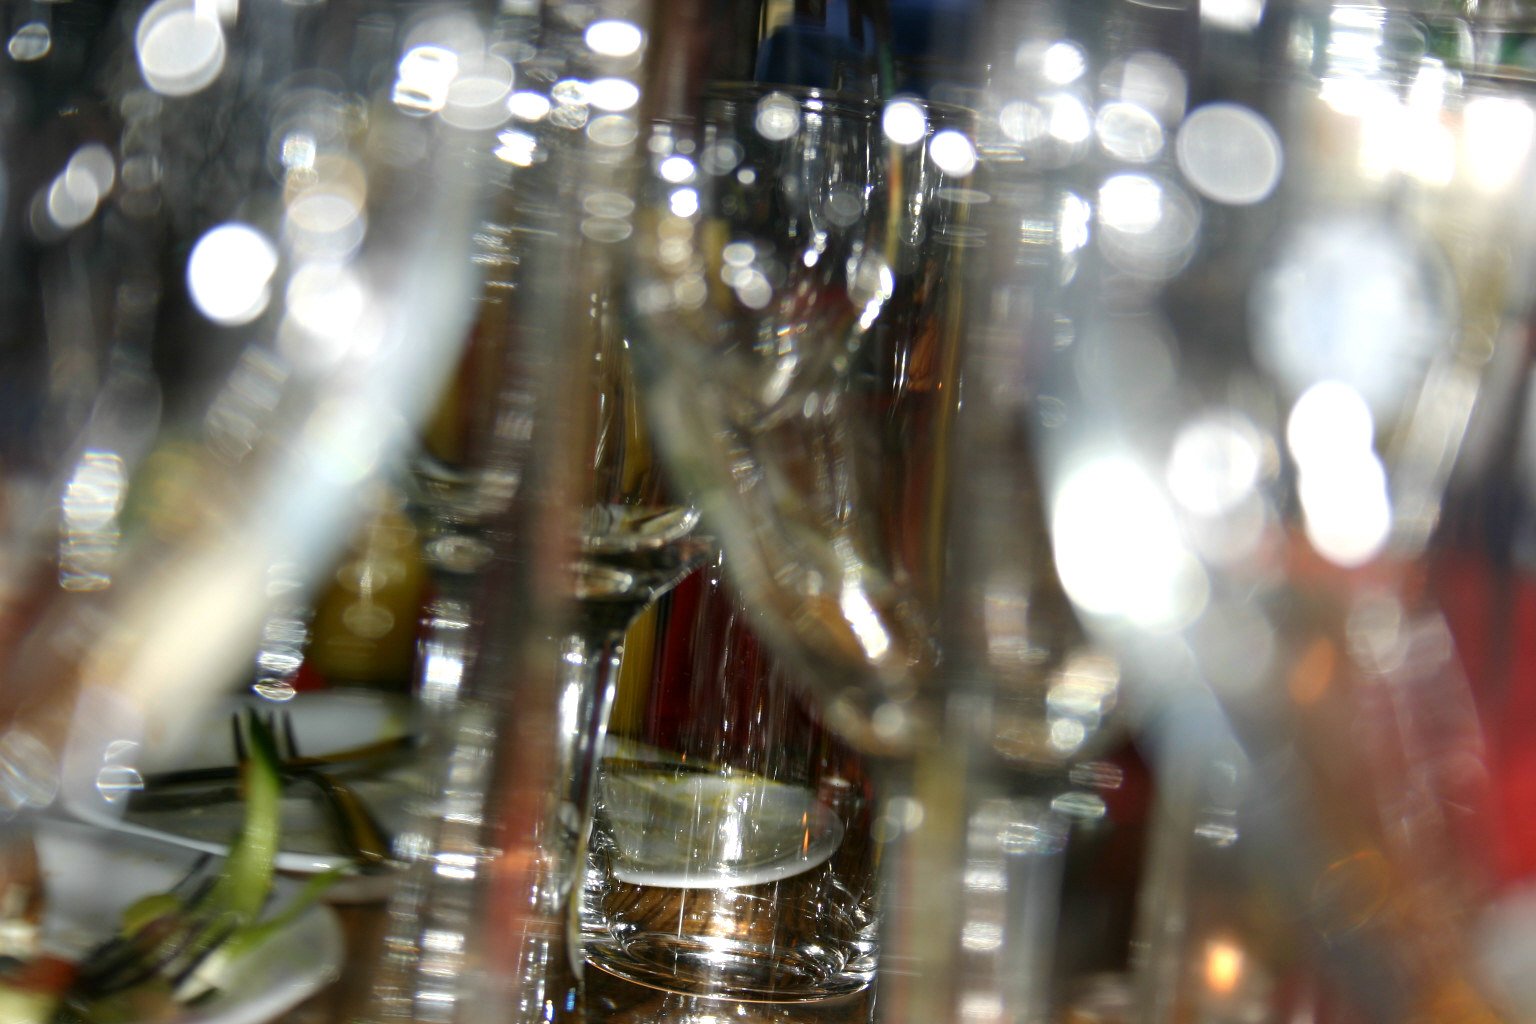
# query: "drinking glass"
800, 280
235, 285
1265, 302
731, 856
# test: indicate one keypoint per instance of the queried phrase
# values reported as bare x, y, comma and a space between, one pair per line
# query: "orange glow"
1312, 674
1223, 966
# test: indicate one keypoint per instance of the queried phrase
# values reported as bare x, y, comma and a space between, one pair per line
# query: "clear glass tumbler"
731, 853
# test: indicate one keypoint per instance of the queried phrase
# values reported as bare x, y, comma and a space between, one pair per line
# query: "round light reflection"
180, 47
229, 274
614, 38
904, 122
1229, 153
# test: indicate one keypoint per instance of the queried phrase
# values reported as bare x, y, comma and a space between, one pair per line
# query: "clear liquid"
727, 885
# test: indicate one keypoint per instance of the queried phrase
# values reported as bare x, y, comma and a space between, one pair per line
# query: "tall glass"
1266, 303
732, 855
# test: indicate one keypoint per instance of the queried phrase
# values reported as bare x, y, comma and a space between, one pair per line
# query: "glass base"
738, 971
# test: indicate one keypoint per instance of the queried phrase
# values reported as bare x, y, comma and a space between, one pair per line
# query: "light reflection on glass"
1068, 119
31, 41
1498, 132
527, 105
425, 73
476, 95
88, 530
229, 273
327, 314
904, 122
1215, 464
953, 152
676, 169
778, 117
1128, 132
1148, 80
325, 215
1341, 481
518, 148
613, 94
1063, 62
180, 46
1118, 548
1232, 15
614, 38
1229, 153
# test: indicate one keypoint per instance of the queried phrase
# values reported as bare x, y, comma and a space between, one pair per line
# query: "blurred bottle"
365, 622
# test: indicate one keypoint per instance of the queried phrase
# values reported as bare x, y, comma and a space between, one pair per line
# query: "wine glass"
251, 272
1264, 316
801, 269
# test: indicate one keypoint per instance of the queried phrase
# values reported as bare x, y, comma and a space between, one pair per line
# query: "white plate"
324, 722
90, 875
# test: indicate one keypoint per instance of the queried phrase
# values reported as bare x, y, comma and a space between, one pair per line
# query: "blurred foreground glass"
1263, 305
802, 272
234, 282
731, 855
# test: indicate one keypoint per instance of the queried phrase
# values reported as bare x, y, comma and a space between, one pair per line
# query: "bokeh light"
229, 274
904, 122
1229, 153
614, 38
180, 47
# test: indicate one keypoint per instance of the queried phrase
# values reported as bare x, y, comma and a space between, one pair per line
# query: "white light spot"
953, 153
516, 148
752, 288
1340, 479
684, 203
425, 74
738, 254
476, 98
1215, 465
904, 122
528, 105
1067, 119
1128, 132
1328, 417
613, 94
1022, 121
864, 621
1229, 153
778, 116
329, 303
1232, 15
1074, 220
613, 38
230, 273
32, 41
1149, 80
1131, 203
613, 130
329, 217
1344, 500
1118, 548
1063, 62
180, 47
344, 438
676, 169
1497, 136
746, 176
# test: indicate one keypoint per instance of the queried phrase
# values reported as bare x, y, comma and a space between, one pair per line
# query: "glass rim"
941, 114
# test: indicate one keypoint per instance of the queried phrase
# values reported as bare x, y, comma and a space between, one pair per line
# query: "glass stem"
590, 657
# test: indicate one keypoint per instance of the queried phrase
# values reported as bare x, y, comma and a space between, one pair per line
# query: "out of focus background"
964, 510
